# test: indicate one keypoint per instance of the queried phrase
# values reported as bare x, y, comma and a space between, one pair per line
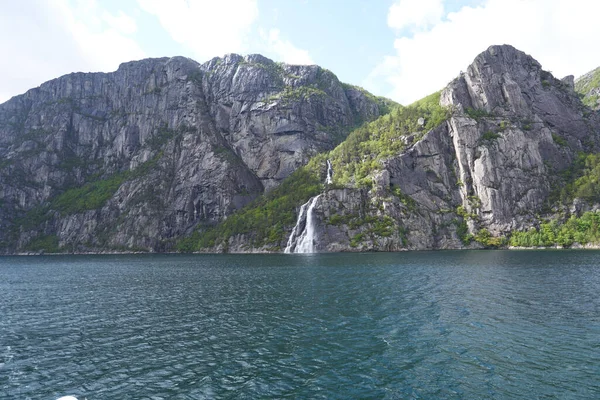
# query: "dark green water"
475, 325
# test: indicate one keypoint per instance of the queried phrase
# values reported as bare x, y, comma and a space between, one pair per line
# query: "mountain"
588, 86
134, 159
242, 154
505, 156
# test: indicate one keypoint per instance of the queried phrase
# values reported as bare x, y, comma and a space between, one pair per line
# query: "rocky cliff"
134, 159
242, 154
510, 138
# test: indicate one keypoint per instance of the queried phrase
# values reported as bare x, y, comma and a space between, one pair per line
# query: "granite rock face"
141, 157
161, 146
490, 168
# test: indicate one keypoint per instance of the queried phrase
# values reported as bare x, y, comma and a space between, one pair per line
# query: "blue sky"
402, 49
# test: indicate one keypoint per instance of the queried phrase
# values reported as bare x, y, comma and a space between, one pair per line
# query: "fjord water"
478, 324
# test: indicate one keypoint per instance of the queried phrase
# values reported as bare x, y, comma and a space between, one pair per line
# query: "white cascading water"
303, 241
329, 179
296, 231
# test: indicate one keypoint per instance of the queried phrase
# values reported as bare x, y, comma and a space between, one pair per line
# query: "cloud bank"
561, 34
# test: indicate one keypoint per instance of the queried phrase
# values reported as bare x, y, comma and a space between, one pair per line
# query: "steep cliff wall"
168, 154
136, 158
512, 133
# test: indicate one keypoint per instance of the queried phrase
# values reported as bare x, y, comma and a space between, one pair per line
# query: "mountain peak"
504, 80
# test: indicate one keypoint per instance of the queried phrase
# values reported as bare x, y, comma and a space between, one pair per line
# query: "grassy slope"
585, 85
270, 217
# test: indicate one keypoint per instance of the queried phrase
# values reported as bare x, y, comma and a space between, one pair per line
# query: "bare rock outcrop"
489, 168
136, 158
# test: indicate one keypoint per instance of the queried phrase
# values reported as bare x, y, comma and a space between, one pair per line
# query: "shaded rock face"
492, 165
182, 143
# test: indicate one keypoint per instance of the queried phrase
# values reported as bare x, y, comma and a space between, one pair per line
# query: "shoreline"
575, 246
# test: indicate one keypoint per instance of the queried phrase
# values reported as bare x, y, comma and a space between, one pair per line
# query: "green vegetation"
559, 140
354, 161
462, 230
33, 219
583, 230
489, 136
485, 238
404, 198
477, 114
299, 93
266, 218
90, 196
273, 68
45, 243
363, 151
582, 181
585, 87
462, 212
373, 228
592, 101
164, 134
95, 194
385, 104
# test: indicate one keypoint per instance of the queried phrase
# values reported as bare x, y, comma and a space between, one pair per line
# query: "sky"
401, 49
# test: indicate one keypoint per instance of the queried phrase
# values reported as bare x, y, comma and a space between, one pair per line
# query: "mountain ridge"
216, 135
472, 181
255, 136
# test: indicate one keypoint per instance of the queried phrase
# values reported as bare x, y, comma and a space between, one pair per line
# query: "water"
302, 239
298, 228
494, 325
329, 179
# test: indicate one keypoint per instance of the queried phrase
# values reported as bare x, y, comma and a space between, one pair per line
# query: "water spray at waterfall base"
302, 239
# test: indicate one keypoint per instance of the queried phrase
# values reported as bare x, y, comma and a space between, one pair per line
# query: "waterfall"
302, 239
329, 179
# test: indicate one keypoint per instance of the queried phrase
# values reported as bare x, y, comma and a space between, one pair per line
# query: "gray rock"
191, 144
497, 169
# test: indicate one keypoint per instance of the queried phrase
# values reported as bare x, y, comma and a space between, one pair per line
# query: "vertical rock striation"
488, 170
136, 158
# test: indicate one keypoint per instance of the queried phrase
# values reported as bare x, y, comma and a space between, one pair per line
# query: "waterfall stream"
302, 239
329, 179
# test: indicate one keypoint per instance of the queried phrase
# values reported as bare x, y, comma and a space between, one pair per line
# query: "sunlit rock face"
513, 129
176, 144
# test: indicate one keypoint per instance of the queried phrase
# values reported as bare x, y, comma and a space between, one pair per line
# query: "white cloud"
102, 41
284, 50
121, 22
40, 41
415, 14
561, 34
208, 28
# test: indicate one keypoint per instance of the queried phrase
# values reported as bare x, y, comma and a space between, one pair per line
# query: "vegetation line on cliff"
267, 220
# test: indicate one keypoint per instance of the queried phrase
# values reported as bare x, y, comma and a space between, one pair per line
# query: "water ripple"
408, 325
